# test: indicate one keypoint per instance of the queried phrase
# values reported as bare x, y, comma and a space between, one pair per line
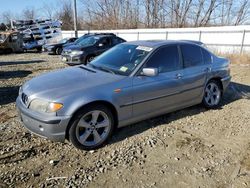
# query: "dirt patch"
193, 147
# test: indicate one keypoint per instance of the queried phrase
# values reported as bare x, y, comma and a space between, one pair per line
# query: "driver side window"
166, 59
105, 42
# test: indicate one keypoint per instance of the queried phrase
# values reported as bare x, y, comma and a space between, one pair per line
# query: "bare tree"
7, 16
49, 10
65, 14
243, 12
124, 14
29, 13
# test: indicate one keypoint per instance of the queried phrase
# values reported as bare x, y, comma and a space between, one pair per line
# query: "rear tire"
212, 94
8, 51
39, 49
91, 127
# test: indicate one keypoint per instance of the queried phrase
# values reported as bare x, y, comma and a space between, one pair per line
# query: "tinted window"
165, 59
191, 55
105, 41
117, 40
206, 56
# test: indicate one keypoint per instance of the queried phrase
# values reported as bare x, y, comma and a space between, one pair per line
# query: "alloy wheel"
212, 94
93, 128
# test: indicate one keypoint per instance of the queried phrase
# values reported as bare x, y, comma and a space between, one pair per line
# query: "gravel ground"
193, 147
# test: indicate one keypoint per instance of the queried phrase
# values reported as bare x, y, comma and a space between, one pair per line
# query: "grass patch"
236, 58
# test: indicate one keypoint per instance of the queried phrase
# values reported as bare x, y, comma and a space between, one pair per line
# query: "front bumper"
50, 127
225, 82
72, 60
49, 50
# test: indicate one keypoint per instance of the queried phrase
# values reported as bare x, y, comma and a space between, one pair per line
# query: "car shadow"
235, 91
14, 74
8, 94
5, 63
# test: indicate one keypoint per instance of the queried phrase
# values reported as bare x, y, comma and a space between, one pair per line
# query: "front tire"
89, 59
58, 51
212, 94
91, 127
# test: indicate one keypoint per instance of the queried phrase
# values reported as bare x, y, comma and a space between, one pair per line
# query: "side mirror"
150, 72
100, 45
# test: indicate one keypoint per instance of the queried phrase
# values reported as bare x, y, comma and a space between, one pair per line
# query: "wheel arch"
98, 102
89, 55
217, 79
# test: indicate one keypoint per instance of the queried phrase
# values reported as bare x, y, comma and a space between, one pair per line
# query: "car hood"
61, 83
72, 47
68, 44
53, 44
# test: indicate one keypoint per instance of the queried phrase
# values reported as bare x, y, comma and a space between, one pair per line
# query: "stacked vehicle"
36, 33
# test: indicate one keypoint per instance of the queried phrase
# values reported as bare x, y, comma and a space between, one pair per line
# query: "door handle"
208, 69
178, 76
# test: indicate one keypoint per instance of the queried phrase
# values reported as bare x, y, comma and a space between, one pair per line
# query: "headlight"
76, 52
20, 90
44, 106
49, 47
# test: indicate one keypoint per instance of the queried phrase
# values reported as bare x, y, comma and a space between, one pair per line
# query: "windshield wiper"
103, 69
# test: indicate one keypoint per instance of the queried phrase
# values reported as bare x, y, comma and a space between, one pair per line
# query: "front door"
154, 95
103, 45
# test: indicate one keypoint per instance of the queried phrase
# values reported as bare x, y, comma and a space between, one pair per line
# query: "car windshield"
63, 40
121, 59
81, 38
89, 41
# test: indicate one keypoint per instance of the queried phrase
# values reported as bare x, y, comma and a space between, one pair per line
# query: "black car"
78, 40
57, 48
85, 50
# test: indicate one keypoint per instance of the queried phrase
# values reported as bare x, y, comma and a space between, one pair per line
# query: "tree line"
131, 14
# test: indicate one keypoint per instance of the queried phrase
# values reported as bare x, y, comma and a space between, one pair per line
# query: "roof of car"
158, 43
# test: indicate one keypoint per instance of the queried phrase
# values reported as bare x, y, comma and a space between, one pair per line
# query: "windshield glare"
89, 41
81, 38
63, 40
122, 59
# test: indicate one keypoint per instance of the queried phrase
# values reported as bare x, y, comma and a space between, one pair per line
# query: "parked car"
57, 48
85, 36
87, 49
131, 82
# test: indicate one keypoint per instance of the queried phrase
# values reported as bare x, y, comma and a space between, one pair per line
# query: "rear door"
153, 95
194, 74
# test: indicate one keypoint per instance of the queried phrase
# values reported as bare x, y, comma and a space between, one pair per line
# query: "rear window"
206, 56
192, 55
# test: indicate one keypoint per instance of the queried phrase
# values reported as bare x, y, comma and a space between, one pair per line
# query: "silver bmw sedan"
130, 82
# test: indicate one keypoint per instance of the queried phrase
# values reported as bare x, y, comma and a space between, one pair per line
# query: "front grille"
24, 98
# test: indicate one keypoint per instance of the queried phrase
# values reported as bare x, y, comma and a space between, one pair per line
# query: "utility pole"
75, 19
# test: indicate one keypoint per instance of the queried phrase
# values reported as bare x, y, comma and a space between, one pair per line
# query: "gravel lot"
193, 147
